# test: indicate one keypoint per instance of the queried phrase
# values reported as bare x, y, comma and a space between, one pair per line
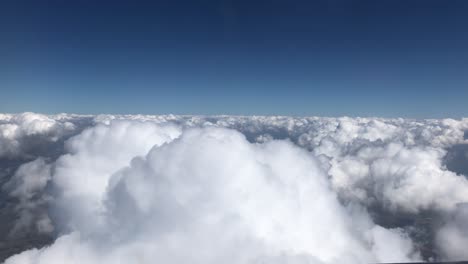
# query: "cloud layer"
178, 189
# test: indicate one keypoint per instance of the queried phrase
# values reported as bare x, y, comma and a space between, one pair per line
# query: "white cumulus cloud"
236, 189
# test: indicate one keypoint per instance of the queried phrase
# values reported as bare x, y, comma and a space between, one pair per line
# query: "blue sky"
327, 58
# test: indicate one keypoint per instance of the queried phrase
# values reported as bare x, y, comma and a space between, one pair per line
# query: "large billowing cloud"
82, 175
178, 189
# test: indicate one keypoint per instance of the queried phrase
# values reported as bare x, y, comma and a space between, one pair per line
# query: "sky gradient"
327, 58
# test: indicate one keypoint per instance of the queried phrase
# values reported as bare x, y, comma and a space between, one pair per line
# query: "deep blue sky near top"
328, 58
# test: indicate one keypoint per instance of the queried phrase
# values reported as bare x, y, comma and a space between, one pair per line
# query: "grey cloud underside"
235, 189
25, 138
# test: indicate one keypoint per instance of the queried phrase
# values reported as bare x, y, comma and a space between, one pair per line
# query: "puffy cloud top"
210, 189
19, 134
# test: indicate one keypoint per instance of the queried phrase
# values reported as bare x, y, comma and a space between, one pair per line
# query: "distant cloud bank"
232, 189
